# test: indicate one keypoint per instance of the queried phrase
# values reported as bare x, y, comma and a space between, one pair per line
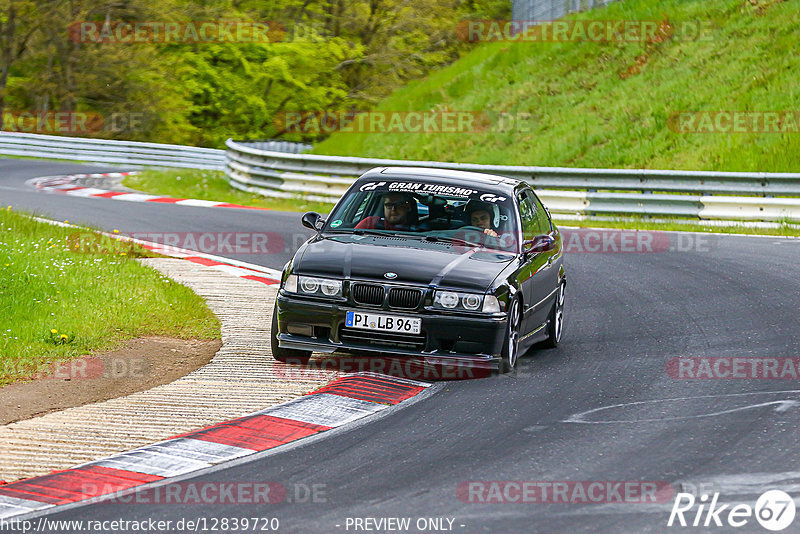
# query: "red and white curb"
343, 401
65, 185
256, 273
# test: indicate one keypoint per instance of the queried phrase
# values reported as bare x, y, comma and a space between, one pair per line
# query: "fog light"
301, 329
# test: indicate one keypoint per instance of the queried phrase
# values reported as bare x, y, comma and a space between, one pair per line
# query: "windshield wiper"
363, 231
422, 237
445, 239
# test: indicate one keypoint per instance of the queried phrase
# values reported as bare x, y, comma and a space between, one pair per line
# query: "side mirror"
313, 220
540, 243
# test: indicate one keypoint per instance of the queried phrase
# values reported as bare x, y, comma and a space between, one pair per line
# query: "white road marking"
781, 406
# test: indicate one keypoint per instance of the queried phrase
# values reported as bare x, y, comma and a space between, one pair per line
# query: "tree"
17, 25
336, 55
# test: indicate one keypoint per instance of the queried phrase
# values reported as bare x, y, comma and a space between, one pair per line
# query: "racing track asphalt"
143, 217
627, 315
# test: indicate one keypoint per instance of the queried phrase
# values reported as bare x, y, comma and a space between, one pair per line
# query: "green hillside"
609, 104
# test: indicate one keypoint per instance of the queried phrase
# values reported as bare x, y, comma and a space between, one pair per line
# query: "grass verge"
34, 158
213, 185
57, 304
609, 104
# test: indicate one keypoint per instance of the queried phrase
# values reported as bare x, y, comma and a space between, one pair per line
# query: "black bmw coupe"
458, 267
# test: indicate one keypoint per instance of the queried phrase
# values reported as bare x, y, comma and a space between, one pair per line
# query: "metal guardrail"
278, 146
110, 151
566, 191
278, 168
529, 10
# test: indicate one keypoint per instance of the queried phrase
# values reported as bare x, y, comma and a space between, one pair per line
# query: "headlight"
450, 300
308, 284
447, 299
331, 288
471, 302
311, 285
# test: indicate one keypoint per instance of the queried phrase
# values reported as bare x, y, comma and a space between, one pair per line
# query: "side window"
359, 214
544, 219
527, 212
353, 210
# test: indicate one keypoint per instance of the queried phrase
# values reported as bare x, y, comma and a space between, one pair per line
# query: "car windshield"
464, 215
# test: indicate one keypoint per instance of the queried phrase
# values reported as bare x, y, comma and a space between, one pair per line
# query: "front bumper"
448, 339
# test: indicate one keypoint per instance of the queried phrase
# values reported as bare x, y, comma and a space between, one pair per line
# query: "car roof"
447, 176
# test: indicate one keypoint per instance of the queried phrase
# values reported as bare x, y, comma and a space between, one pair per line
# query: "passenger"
480, 215
399, 213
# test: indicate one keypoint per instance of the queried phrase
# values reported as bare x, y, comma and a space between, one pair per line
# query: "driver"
399, 213
480, 215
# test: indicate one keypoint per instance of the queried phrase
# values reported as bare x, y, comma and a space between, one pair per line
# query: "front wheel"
510, 352
299, 357
556, 324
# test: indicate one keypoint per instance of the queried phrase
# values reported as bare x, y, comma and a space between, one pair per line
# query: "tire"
299, 357
510, 352
555, 326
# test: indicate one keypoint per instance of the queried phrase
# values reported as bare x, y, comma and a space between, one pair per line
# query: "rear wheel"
299, 357
510, 352
556, 324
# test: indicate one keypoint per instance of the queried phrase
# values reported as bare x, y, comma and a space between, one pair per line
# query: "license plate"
385, 323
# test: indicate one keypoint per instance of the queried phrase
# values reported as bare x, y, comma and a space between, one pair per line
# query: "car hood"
414, 262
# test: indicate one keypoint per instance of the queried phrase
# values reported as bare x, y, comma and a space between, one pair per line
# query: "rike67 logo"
774, 510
